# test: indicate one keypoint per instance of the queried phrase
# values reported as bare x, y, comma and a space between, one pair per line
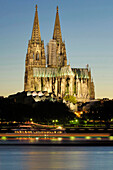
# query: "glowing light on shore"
3, 138
98, 138
72, 138
59, 127
87, 137
59, 139
37, 138
111, 137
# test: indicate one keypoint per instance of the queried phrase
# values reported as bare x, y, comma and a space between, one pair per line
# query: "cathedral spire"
57, 30
36, 37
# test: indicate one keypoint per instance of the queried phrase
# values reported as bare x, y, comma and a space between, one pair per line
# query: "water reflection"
60, 158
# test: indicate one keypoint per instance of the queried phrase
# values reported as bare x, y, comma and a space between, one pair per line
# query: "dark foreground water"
59, 158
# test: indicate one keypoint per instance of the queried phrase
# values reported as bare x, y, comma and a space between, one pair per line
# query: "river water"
58, 158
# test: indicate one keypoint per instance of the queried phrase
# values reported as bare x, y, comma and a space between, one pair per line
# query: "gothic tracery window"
37, 56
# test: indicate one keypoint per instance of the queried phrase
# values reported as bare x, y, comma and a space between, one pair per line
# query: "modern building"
52, 73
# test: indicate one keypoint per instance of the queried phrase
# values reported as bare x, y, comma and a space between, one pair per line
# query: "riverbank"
66, 139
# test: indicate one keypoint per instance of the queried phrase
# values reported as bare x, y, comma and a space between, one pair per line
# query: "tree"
70, 98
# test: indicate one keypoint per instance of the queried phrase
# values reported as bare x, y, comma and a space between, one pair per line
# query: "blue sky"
87, 28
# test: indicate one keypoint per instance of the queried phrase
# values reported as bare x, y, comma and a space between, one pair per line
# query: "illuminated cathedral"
50, 73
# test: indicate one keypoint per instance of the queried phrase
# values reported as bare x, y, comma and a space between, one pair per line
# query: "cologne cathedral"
51, 73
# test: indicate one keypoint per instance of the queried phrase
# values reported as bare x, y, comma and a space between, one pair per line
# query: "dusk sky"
87, 28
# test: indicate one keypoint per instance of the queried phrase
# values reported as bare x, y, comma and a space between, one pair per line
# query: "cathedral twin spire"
57, 30
36, 36
57, 51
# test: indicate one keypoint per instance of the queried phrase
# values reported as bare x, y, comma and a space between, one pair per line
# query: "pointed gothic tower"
57, 29
35, 56
36, 37
56, 47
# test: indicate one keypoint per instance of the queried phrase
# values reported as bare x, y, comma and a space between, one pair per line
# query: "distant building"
57, 77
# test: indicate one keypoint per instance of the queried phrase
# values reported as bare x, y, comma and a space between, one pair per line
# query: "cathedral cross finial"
36, 7
57, 9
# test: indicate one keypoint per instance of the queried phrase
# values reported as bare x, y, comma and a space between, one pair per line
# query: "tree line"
39, 112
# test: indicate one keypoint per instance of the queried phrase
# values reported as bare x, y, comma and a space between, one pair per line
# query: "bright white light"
59, 139
59, 127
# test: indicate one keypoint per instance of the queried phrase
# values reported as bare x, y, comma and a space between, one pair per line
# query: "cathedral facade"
52, 73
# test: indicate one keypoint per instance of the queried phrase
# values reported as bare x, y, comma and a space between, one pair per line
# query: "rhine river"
59, 158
